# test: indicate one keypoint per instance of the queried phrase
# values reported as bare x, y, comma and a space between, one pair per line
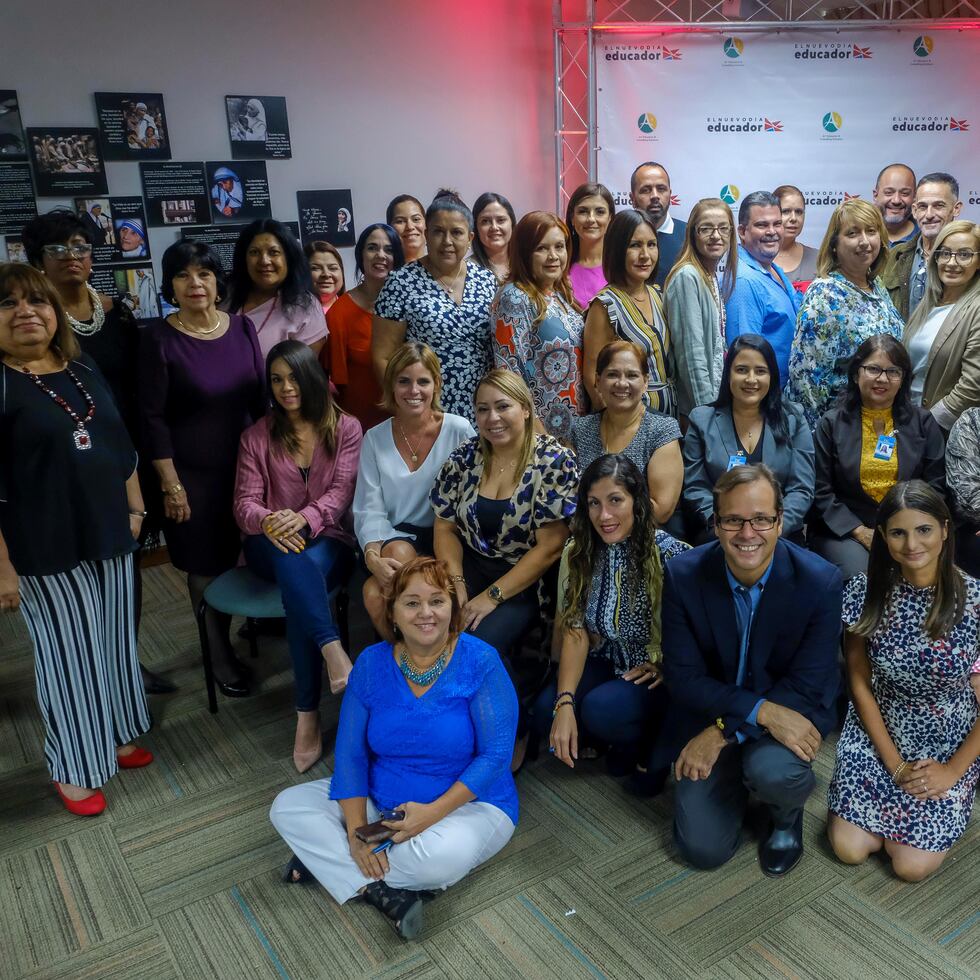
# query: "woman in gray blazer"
748, 423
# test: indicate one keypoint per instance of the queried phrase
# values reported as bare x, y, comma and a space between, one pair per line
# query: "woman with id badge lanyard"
872, 439
748, 423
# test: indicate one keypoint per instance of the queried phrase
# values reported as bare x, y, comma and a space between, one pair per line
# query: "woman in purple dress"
200, 384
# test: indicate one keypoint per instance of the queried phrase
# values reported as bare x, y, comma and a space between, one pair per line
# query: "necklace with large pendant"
423, 678
83, 440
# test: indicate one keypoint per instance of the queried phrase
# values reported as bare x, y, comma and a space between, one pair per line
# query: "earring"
396, 632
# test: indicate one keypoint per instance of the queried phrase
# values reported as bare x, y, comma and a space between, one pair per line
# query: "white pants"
313, 826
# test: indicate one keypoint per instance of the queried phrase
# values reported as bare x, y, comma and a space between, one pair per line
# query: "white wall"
383, 96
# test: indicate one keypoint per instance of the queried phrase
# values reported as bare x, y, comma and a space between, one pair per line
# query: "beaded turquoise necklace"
422, 677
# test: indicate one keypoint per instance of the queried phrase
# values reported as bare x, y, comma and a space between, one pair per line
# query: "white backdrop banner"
727, 115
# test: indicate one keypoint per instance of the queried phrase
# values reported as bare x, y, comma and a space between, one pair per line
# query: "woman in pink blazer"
293, 491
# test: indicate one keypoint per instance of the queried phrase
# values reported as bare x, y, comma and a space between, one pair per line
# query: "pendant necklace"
423, 678
411, 448
98, 316
83, 440
451, 290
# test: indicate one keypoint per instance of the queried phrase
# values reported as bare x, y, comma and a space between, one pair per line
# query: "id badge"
885, 448
736, 459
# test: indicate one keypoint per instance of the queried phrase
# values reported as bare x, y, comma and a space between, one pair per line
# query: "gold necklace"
411, 448
451, 290
198, 333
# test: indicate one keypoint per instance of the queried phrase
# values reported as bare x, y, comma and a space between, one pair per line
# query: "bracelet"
899, 769
457, 578
174, 490
371, 551
137, 513
562, 694
561, 704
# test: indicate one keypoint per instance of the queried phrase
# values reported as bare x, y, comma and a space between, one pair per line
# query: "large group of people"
671, 464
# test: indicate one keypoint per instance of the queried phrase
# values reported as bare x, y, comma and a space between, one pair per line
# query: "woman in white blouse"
400, 460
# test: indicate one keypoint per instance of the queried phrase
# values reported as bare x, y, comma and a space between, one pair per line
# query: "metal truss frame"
575, 44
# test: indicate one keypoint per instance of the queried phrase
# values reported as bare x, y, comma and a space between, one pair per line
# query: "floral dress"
922, 687
459, 333
835, 318
546, 354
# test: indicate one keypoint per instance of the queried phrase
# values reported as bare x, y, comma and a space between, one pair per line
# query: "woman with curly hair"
611, 577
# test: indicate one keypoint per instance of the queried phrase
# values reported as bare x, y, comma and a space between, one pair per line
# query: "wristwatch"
496, 595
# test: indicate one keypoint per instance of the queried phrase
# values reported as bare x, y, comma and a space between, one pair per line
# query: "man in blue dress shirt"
751, 633
763, 300
650, 191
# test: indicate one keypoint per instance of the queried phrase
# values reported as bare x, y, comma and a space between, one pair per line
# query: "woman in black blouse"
59, 244
71, 514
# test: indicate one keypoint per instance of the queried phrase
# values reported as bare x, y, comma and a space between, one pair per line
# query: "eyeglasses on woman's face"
962, 256
875, 371
710, 231
79, 251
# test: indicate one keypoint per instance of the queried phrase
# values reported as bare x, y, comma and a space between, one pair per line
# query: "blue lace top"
398, 748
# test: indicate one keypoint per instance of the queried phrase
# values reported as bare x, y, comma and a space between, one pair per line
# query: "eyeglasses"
760, 522
874, 371
940, 207
962, 255
64, 251
706, 231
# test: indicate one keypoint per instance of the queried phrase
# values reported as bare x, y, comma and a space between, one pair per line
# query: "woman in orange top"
347, 354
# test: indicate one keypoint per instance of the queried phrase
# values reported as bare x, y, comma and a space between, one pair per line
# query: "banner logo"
832, 122
733, 47
824, 197
831, 51
643, 52
742, 124
922, 46
773, 126
972, 197
729, 193
647, 122
929, 124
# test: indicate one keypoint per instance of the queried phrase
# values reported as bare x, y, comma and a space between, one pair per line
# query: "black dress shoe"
235, 688
154, 683
783, 850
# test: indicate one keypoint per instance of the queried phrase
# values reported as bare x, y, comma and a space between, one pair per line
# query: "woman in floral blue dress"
841, 309
907, 758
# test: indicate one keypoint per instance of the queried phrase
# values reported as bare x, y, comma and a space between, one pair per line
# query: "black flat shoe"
154, 683
237, 688
783, 850
296, 873
399, 905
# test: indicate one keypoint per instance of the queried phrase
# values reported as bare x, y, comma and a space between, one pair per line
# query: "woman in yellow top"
872, 439
630, 308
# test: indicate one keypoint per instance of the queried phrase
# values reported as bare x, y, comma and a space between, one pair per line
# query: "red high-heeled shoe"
136, 759
89, 807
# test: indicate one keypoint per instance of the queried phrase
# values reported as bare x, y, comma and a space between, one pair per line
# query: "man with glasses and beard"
751, 633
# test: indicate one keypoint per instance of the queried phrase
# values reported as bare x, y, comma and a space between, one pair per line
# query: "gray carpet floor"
180, 878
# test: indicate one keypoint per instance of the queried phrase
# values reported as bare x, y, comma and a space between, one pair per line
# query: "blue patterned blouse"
835, 318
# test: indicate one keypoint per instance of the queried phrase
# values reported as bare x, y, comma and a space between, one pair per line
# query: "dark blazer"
840, 503
793, 647
710, 440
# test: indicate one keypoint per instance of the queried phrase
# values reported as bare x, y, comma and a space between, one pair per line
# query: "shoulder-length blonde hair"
689, 254
934, 285
18, 275
409, 353
513, 386
863, 213
526, 238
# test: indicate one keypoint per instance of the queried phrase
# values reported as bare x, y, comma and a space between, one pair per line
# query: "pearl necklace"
98, 316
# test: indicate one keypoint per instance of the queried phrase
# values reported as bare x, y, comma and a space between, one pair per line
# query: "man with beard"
893, 195
650, 191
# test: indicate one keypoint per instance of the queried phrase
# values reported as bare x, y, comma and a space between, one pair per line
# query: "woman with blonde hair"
843, 307
695, 301
535, 323
502, 501
400, 460
943, 334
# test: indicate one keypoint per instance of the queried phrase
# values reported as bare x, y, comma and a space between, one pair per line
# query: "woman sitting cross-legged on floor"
426, 728
293, 490
908, 758
611, 576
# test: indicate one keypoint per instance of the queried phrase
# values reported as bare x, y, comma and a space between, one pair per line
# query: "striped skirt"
89, 687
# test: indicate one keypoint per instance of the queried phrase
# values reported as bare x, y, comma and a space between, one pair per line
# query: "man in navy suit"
751, 633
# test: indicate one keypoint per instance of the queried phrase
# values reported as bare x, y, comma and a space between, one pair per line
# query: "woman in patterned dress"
441, 300
845, 306
611, 577
537, 328
629, 308
907, 759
